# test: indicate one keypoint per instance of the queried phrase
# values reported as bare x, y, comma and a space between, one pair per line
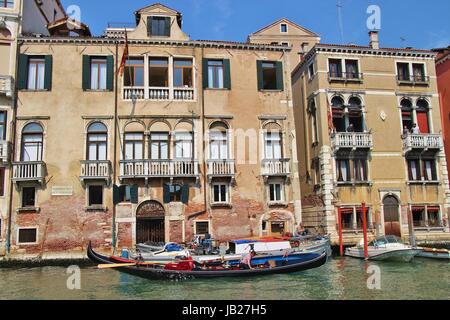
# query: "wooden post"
364, 219
341, 244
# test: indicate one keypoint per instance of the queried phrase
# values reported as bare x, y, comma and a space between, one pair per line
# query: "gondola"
310, 261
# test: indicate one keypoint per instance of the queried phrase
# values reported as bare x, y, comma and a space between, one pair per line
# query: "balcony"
6, 85
413, 80
159, 94
352, 140
276, 167
135, 169
95, 170
221, 168
29, 172
345, 76
4, 151
422, 142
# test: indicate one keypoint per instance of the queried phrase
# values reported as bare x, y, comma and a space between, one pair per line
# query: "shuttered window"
98, 73
216, 74
158, 26
270, 75
35, 72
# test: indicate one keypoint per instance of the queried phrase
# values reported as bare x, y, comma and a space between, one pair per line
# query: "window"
360, 170
352, 218
335, 66
276, 192
284, 28
215, 74
158, 72
355, 115
201, 228
269, 75
411, 72
403, 71
7, 4
351, 69
97, 140
159, 145
134, 72
27, 236
434, 216
352, 169
343, 170
36, 74
339, 118
3, 125
359, 218
277, 227
426, 216
175, 192
32, 143
422, 113
347, 218
422, 170
220, 193
419, 72
134, 146
159, 26
125, 193
183, 73
28, 197
348, 118
95, 196
316, 168
311, 71
273, 145
98, 74
218, 136
407, 114
183, 145
418, 214
2, 182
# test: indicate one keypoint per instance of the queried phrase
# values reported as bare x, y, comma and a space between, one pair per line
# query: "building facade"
16, 17
443, 79
370, 131
185, 138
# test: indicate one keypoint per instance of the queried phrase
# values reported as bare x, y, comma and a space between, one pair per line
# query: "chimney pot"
374, 40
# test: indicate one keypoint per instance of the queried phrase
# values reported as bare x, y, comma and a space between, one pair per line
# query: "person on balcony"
351, 128
415, 129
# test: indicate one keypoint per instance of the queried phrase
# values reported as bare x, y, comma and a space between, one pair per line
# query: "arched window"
97, 142
134, 141
184, 141
355, 115
218, 141
32, 142
337, 104
422, 116
5, 50
273, 142
407, 114
159, 141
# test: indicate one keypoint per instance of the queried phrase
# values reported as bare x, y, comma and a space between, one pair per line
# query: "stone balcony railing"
4, 151
352, 140
159, 93
33, 171
131, 169
6, 85
221, 168
276, 167
422, 141
95, 170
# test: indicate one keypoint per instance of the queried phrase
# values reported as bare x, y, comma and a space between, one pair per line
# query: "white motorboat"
433, 253
385, 248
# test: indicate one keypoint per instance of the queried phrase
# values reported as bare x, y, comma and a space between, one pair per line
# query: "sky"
423, 24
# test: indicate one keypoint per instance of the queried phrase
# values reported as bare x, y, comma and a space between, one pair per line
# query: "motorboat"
384, 248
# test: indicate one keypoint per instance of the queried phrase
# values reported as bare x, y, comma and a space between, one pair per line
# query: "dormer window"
283, 28
158, 26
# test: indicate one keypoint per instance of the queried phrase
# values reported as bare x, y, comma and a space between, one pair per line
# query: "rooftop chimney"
374, 40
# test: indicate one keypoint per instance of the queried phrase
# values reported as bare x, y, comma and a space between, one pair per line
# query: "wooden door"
150, 231
391, 216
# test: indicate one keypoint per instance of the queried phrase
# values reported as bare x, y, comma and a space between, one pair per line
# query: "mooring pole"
341, 244
364, 219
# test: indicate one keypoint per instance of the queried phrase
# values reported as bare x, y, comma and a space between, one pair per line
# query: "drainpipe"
13, 129
114, 240
205, 195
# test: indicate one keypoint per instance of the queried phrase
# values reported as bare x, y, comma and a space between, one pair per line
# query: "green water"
340, 278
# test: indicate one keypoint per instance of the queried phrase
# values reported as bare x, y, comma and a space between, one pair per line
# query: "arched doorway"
150, 217
391, 207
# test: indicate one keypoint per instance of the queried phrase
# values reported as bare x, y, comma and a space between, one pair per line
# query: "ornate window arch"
32, 142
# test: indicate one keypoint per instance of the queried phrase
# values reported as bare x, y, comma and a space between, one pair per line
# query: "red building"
443, 78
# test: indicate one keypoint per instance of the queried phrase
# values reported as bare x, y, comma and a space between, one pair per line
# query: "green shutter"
134, 194
167, 26
227, 74
205, 73
185, 194
259, 70
48, 73
22, 72
116, 194
109, 73
280, 81
166, 193
149, 26
86, 72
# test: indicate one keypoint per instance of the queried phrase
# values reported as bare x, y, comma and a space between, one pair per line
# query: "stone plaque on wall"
62, 191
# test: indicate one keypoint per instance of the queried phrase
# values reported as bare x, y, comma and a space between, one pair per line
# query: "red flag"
125, 56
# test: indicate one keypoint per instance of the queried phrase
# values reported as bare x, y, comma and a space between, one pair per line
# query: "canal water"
340, 278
